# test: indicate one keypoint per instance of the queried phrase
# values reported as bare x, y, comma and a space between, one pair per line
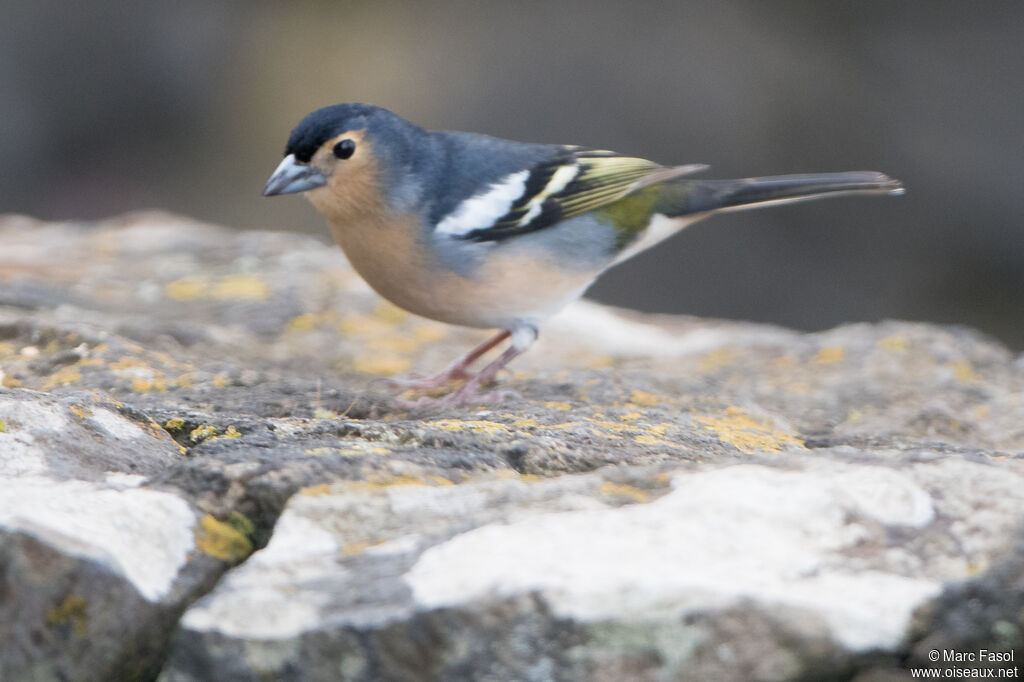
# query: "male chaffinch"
483, 232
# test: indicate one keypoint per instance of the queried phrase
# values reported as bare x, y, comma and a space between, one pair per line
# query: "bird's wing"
573, 182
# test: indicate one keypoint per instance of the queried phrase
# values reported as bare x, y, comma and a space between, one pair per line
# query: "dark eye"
345, 148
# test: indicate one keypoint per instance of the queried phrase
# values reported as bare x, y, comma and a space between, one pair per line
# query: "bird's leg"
469, 393
457, 370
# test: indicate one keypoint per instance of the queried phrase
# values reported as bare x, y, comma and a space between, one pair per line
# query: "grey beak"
290, 176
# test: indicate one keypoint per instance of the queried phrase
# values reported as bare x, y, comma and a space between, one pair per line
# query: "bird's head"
345, 155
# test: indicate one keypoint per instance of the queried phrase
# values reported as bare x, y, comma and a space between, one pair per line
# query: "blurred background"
107, 107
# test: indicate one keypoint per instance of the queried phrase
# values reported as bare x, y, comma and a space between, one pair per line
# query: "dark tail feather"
732, 195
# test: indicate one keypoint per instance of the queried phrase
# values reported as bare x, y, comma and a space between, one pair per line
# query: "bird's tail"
734, 195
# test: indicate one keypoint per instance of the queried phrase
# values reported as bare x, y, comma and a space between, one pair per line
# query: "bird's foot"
469, 392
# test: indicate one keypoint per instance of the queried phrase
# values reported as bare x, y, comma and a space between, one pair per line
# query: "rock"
202, 481
96, 566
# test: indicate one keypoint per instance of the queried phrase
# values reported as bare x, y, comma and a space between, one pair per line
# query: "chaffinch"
478, 231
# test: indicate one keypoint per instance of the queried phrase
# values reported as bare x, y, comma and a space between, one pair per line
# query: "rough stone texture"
669, 499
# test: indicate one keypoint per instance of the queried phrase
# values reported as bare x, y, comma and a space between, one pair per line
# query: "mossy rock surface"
201, 480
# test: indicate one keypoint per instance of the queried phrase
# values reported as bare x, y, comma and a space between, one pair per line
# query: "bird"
484, 232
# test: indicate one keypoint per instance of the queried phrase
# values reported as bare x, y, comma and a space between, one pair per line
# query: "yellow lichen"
321, 413
829, 355
557, 405
174, 424
622, 490
222, 540
386, 365
231, 432
364, 325
644, 398
981, 412
963, 372
611, 426
715, 359
170, 360
316, 490
302, 323
79, 410
524, 423
647, 439
3, 426
72, 611
428, 333
894, 343
746, 434
354, 548
143, 385
479, 426
396, 344
389, 313
202, 432
241, 523
219, 381
630, 416
374, 483
222, 288
62, 377
129, 362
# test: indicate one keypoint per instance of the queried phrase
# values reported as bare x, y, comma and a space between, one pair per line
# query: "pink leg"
469, 393
457, 370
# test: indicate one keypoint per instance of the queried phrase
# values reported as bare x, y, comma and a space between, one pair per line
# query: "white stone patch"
25, 415
267, 597
143, 534
889, 497
274, 612
119, 479
660, 228
117, 426
19, 454
719, 538
600, 329
481, 211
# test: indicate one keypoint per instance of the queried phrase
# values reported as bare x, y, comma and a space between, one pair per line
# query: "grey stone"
202, 481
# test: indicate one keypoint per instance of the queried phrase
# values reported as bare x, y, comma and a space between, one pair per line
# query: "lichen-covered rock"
201, 478
618, 574
96, 565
